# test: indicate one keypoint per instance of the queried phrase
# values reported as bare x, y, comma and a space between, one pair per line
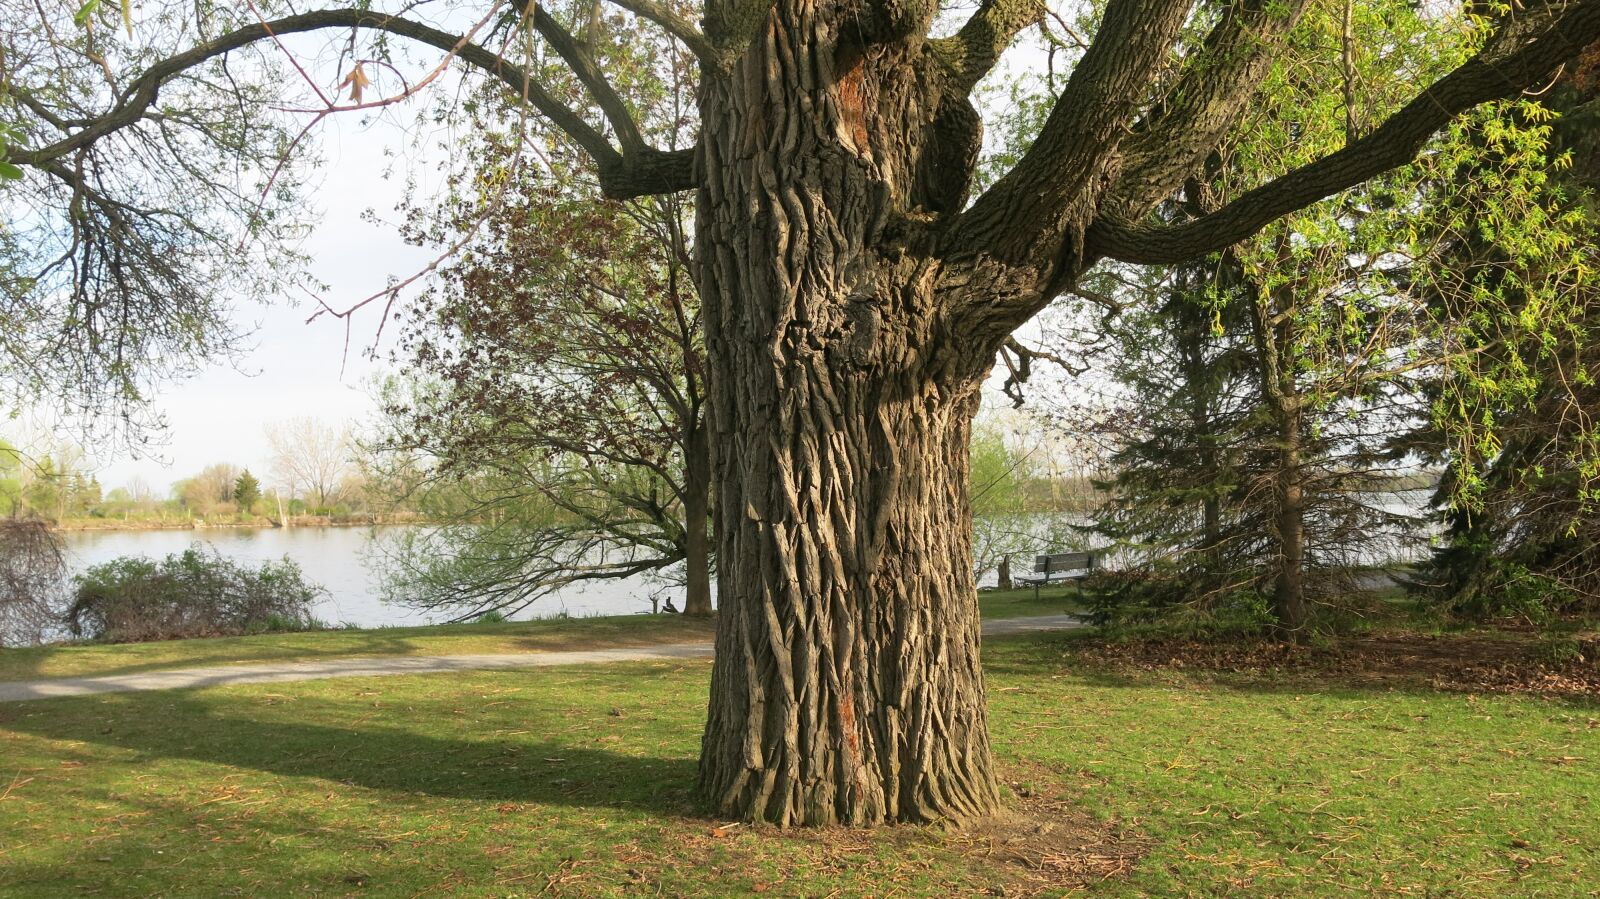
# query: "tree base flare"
1040, 842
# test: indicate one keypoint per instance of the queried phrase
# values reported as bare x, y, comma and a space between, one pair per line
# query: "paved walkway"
379, 666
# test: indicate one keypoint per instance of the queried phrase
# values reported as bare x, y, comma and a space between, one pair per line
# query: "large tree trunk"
847, 686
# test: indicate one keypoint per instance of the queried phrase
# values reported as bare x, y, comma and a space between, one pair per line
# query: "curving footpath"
382, 666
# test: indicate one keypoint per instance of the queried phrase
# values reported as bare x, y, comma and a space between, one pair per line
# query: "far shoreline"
297, 521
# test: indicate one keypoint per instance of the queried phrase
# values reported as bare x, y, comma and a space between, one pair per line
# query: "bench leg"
1035, 591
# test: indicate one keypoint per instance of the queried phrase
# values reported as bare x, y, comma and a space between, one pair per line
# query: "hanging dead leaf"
357, 81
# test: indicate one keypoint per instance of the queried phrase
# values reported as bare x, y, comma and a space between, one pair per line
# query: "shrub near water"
32, 581
196, 593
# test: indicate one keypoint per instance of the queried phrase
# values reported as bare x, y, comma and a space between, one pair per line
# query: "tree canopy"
853, 297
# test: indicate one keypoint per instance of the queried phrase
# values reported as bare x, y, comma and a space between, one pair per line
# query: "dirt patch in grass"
1041, 844
1471, 662
1044, 843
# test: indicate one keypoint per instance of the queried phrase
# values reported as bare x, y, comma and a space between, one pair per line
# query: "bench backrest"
1054, 562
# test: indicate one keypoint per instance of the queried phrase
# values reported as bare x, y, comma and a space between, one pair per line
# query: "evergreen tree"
1176, 441
246, 490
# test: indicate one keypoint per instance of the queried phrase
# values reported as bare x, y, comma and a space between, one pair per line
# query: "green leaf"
10, 172
82, 16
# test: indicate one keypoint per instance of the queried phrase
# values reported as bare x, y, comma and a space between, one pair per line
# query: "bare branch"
141, 95
646, 171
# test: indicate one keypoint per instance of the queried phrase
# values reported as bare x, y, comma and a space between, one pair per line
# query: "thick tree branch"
1023, 239
589, 74
1214, 88
648, 173
973, 51
1520, 56
645, 172
1048, 197
673, 24
730, 26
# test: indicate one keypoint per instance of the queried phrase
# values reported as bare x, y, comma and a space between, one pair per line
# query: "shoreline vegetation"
363, 519
1074, 494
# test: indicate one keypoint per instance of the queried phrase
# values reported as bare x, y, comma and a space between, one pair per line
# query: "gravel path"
223, 675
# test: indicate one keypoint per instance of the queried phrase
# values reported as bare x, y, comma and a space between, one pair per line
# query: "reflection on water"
337, 560
1025, 536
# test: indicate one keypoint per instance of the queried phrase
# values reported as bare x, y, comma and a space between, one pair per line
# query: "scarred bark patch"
852, 97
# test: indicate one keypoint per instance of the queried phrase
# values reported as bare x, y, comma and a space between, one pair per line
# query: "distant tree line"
314, 469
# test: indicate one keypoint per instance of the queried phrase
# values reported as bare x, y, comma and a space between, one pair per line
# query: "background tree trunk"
1289, 593
1274, 316
696, 515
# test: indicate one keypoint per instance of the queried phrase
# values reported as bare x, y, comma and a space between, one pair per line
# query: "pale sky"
294, 368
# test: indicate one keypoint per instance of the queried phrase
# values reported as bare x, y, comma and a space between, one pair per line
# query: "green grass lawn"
1054, 599
81, 660
575, 782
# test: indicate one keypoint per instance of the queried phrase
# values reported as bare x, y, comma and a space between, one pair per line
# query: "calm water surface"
340, 560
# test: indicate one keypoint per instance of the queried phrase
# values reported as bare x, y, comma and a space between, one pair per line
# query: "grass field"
576, 782
551, 634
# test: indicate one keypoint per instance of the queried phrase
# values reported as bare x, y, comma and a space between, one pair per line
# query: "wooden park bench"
1063, 566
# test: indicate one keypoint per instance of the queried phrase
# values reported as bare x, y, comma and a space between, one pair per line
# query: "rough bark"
847, 686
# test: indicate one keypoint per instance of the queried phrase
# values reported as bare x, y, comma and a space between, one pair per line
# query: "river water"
341, 560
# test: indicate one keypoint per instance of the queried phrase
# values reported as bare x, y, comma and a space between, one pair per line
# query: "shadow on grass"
551, 635
30, 663
496, 768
